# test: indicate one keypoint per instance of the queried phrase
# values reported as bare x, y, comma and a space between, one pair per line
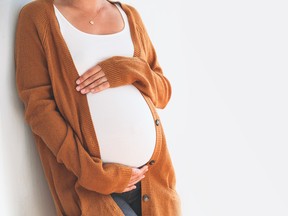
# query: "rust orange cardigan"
62, 127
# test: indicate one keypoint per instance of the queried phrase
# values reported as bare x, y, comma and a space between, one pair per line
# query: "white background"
227, 121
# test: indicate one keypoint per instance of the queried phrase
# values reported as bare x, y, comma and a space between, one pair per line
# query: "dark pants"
130, 201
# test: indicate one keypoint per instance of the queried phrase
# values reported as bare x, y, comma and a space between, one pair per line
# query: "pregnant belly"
123, 124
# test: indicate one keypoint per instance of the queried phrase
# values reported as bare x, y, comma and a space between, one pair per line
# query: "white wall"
24, 190
226, 124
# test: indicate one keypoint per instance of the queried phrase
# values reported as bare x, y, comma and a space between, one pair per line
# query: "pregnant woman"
88, 76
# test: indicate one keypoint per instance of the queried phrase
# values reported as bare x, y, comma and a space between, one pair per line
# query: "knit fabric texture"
59, 117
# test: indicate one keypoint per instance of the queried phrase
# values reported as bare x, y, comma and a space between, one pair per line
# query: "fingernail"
83, 91
77, 81
77, 88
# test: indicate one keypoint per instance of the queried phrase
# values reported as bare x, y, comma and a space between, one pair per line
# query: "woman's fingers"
137, 175
88, 73
136, 181
90, 80
98, 85
93, 80
131, 185
129, 188
101, 87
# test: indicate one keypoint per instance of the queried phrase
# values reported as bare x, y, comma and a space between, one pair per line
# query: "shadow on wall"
24, 190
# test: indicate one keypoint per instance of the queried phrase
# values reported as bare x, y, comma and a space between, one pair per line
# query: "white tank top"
122, 119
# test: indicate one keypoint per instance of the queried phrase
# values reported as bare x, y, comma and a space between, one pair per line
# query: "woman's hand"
137, 175
93, 80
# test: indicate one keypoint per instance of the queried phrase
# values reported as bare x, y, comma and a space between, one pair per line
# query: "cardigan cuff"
114, 76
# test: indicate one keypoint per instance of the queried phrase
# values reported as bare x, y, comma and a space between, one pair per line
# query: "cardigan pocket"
168, 202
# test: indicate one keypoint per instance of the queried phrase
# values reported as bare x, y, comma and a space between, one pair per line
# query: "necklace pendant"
91, 22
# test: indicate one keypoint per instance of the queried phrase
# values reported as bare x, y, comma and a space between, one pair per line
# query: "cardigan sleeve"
42, 115
145, 74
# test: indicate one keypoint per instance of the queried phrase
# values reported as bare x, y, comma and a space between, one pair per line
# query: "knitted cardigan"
59, 117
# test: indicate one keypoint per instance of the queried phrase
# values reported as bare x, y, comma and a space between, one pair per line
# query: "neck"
87, 4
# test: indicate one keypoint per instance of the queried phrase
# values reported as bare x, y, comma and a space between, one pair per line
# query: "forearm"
121, 70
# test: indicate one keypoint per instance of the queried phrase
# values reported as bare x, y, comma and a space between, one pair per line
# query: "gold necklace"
91, 21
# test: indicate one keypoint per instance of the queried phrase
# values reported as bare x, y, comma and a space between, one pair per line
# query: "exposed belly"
123, 124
